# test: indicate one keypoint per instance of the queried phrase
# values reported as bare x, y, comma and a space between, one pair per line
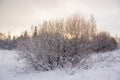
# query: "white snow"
103, 66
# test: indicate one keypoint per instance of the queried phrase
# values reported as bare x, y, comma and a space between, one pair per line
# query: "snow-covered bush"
63, 42
103, 42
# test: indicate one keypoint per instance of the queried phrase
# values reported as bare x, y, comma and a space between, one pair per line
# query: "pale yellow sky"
18, 15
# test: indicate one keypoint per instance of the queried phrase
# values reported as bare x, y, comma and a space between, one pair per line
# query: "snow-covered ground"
103, 66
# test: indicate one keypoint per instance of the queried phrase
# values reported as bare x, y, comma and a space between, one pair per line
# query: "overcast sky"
18, 15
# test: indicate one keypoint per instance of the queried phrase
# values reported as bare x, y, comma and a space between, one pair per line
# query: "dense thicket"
64, 42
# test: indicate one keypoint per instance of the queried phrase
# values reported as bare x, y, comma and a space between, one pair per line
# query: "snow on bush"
62, 43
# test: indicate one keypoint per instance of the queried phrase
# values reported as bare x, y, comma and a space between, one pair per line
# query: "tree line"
7, 42
59, 43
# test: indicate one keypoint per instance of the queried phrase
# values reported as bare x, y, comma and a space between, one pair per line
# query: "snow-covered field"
103, 66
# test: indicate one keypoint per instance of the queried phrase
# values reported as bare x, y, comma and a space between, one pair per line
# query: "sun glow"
68, 36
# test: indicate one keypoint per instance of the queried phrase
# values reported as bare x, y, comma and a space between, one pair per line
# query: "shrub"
64, 42
103, 42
